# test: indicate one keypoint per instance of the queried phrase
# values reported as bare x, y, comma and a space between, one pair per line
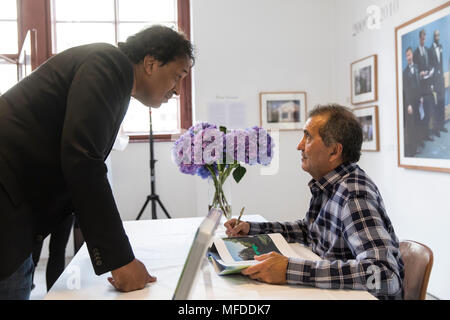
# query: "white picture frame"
364, 80
368, 117
283, 110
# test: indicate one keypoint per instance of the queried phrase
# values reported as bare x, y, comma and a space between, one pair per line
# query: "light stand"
153, 196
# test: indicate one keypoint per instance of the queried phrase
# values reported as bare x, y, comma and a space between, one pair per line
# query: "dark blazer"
437, 63
423, 64
411, 88
57, 126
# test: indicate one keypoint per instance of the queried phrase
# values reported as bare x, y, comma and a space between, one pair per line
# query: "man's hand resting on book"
234, 230
271, 269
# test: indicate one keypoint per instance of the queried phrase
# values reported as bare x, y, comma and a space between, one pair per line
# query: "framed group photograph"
368, 117
282, 110
364, 80
422, 48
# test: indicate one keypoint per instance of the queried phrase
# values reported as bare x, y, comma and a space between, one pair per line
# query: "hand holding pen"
236, 227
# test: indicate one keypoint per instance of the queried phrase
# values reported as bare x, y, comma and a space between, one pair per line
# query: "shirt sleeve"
292, 231
375, 267
95, 108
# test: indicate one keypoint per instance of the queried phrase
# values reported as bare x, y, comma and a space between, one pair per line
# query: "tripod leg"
143, 208
154, 209
164, 209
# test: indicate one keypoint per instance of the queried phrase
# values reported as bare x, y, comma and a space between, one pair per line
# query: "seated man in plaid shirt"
346, 224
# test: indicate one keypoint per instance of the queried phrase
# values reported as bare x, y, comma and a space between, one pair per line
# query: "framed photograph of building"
363, 80
422, 48
368, 117
282, 110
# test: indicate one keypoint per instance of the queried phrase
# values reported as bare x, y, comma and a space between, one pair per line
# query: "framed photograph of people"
364, 80
368, 117
282, 110
423, 99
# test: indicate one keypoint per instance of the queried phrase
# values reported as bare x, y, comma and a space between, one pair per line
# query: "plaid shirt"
348, 227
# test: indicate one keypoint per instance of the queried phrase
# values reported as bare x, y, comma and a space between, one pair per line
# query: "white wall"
244, 47
415, 200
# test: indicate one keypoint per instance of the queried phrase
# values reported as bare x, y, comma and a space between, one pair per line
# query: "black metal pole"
153, 197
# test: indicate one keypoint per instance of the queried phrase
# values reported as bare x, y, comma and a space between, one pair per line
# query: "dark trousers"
18, 285
411, 138
439, 111
428, 108
57, 251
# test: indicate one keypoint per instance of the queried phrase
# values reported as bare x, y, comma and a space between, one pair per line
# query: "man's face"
422, 39
315, 154
159, 83
437, 36
409, 56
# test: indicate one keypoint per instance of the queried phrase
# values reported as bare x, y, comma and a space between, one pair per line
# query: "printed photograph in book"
245, 248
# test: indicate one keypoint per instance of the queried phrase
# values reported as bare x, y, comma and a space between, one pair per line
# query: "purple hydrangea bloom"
204, 173
249, 146
265, 146
202, 144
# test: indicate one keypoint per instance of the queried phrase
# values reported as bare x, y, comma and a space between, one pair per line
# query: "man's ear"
149, 64
336, 152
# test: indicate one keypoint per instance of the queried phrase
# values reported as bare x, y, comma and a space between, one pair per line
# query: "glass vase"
220, 196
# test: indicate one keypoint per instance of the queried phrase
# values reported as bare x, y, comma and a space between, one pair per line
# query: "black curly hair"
161, 42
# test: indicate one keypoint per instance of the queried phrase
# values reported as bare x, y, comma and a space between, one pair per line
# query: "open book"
231, 255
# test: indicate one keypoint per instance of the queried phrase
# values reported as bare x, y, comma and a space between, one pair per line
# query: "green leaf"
239, 173
223, 129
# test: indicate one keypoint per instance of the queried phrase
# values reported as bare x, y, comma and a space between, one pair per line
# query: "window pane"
165, 118
84, 10
130, 28
73, 34
147, 10
8, 9
8, 39
8, 77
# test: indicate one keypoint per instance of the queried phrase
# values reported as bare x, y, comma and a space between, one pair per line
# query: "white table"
162, 245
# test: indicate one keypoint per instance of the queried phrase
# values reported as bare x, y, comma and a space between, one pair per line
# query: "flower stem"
219, 196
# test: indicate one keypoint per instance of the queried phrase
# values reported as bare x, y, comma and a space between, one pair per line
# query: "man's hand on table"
271, 269
130, 277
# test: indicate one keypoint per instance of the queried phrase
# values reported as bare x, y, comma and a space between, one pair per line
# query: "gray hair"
342, 127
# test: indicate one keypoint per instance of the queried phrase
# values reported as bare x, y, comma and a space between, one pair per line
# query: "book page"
241, 250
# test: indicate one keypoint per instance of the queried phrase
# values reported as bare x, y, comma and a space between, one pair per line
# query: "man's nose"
177, 89
301, 144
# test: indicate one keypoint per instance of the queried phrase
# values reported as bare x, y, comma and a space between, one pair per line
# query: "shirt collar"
327, 182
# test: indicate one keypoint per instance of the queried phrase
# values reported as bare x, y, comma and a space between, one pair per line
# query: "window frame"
36, 14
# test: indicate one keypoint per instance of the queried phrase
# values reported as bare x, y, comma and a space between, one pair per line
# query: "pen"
240, 215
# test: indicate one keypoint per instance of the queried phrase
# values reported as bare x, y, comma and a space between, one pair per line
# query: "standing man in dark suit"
438, 83
422, 60
57, 127
412, 115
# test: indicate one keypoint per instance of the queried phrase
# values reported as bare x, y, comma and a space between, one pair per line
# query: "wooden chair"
418, 261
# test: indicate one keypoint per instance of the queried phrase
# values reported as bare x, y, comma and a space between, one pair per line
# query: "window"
112, 21
8, 71
8, 21
8, 44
